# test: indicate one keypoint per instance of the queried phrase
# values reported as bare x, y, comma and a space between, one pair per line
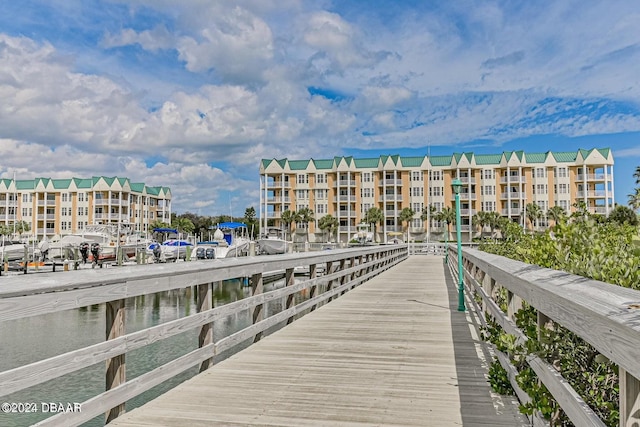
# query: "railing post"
116, 368
629, 399
313, 289
257, 287
329, 270
204, 303
289, 281
343, 278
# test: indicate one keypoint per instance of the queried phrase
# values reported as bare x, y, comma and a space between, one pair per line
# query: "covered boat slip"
393, 351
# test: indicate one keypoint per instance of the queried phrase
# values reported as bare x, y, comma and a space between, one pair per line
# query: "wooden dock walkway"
394, 351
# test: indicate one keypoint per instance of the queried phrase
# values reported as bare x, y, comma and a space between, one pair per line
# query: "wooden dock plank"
392, 352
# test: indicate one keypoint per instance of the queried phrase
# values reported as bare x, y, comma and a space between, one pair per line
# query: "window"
561, 172
488, 174
416, 223
435, 175
436, 191
366, 177
321, 209
487, 190
563, 189
25, 197
540, 172
63, 212
417, 191
540, 189
321, 194
563, 204
321, 178
81, 197
366, 192
65, 197
417, 207
80, 211
302, 194
417, 176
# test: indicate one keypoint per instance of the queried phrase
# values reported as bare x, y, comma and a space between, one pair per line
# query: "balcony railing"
467, 180
345, 183
278, 184
465, 196
392, 197
513, 178
513, 195
345, 198
591, 193
514, 211
390, 181
598, 209
278, 199
468, 212
391, 213
591, 177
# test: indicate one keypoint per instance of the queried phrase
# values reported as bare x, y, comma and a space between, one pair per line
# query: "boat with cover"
170, 250
273, 242
109, 237
11, 250
230, 239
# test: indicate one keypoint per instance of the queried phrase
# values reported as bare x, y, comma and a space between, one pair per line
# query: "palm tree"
534, 213
427, 215
287, 218
448, 215
328, 223
374, 216
556, 213
481, 220
493, 219
634, 200
406, 215
183, 225
305, 216
636, 175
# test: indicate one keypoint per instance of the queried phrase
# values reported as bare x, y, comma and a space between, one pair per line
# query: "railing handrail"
602, 314
346, 268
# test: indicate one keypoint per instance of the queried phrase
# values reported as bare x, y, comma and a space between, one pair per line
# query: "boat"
170, 250
11, 250
109, 237
273, 242
231, 239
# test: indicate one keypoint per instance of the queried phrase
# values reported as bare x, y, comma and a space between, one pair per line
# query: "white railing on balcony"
392, 197
515, 178
591, 193
391, 213
598, 209
591, 177
278, 199
513, 195
391, 182
345, 183
278, 184
345, 198
514, 211
467, 180
468, 211
465, 196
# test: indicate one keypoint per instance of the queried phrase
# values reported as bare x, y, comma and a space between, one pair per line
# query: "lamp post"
457, 186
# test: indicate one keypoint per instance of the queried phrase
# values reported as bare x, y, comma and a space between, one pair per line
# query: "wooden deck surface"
394, 351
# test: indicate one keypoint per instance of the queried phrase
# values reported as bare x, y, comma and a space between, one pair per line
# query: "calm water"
28, 340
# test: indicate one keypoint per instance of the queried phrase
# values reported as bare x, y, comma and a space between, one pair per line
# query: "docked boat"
170, 250
11, 250
109, 237
231, 239
273, 242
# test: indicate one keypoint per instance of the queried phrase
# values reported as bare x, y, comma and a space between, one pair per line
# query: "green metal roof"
138, 187
535, 157
83, 182
298, 165
604, 152
25, 184
154, 191
366, 163
60, 184
457, 156
488, 159
565, 156
411, 162
440, 160
323, 164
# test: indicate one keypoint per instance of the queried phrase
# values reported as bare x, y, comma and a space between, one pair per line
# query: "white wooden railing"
604, 315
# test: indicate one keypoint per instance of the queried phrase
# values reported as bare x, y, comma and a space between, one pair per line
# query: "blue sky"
192, 94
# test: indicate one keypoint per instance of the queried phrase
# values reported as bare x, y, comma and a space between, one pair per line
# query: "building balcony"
417, 229
46, 230
513, 178
345, 198
591, 194
391, 213
590, 177
345, 214
345, 183
9, 203
395, 228
465, 196
274, 214
468, 212
392, 197
513, 195
465, 227
7, 217
48, 202
47, 216
388, 181
467, 180
278, 184
278, 199
598, 209
514, 211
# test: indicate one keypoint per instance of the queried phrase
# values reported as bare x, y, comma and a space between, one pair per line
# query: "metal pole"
461, 306
446, 243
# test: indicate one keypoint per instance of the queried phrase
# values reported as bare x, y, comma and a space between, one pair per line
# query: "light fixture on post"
457, 187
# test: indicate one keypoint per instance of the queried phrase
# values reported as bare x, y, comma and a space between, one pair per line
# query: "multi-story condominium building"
64, 206
347, 187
